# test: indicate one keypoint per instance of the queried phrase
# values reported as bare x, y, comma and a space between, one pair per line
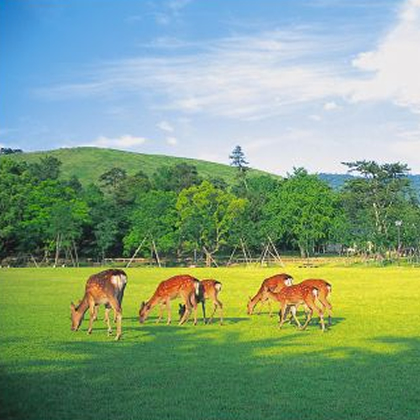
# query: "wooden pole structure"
244, 251
34, 260
264, 254
231, 255
209, 256
156, 253
276, 252
136, 252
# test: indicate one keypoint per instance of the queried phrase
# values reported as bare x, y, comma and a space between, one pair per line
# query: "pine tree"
237, 159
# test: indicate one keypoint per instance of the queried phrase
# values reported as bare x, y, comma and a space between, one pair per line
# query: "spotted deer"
105, 288
291, 297
183, 286
324, 289
208, 289
273, 284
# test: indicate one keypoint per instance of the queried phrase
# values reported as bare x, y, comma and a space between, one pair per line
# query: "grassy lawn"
365, 367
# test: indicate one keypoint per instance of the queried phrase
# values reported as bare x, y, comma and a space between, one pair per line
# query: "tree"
154, 216
376, 199
111, 179
15, 185
302, 211
176, 178
47, 168
52, 218
206, 216
237, 159
9, 151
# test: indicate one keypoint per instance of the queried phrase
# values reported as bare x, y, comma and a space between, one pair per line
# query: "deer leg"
107, 310
203, 306
168, 308
95, 314
114, 303
160, 313
186, 313
270, 308
293, 311
217, 304
194, 305
92, 316
282, 315
260, 308
327, 306
308, 318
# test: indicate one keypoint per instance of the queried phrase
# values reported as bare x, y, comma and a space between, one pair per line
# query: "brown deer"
106, 287
292, 297
209, 289
273, 284
324, 289
183, 286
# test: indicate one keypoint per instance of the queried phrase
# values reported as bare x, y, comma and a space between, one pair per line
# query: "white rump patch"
119, 281
218, 287
197, 287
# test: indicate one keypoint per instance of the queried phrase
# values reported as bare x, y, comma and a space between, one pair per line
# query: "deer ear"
72, 307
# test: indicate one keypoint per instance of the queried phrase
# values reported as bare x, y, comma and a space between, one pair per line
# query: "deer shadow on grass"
215, 374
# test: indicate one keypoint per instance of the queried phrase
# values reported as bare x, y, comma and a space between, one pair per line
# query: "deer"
208, 289
184, 286
273, 284
291, 297
106, 287
324, 289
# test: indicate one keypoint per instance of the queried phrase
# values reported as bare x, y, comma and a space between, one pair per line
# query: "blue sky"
296, 83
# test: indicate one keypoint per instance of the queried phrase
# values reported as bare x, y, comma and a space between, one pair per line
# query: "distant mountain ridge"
336, 181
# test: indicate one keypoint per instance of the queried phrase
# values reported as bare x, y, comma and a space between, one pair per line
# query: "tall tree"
379, 196
206, 216
238, 160
154, 217
302, 211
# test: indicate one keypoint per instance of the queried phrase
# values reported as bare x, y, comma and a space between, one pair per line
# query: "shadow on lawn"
184, 373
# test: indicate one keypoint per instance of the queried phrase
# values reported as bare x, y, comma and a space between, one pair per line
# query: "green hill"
88, 163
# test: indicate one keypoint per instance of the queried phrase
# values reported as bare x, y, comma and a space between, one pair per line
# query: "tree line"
178, 213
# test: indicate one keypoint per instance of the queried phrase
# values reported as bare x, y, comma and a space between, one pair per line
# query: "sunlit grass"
365, 367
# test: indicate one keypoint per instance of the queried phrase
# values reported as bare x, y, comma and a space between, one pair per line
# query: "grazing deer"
183, 286
209, 289
106, 287
273, 284
324, 289
292, 297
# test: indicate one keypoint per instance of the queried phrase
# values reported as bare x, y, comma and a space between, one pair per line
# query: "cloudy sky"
295, 82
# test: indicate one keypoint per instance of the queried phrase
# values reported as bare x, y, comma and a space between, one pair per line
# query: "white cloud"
394, 66
330, 106
126, 141
172, 141
252, 77
166, 126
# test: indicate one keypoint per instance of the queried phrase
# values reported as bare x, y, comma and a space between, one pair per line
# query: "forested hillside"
88, 163
187, 209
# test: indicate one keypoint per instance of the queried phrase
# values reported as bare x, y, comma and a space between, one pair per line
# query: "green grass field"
365, 367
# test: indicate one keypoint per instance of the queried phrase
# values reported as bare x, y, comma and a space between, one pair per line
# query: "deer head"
144, 311
76, 317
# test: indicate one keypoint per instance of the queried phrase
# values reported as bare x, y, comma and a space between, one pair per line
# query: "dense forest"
178, 214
